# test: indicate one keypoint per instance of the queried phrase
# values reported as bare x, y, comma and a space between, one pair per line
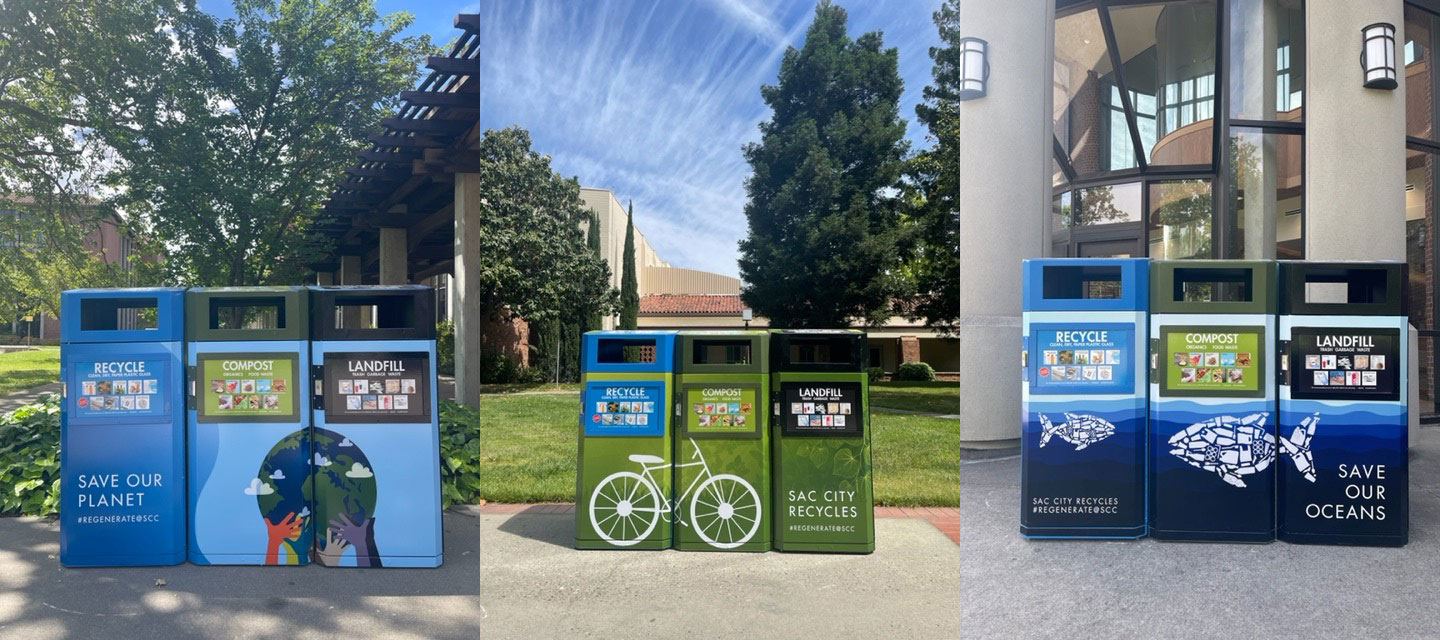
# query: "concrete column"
1354, 138
394, 256
466, 289
324, 278
1005, 162
350, 275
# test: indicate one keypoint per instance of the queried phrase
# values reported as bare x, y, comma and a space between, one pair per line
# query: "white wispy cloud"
655, 100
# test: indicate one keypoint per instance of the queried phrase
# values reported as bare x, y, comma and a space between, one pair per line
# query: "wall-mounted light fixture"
747, 315
974, 67
1377, 56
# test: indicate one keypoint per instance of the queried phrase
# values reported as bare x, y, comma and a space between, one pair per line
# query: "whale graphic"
1298, 446
1229, 446
1079, 430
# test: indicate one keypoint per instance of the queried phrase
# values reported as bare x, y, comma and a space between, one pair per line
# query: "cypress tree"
629, 289
593, 320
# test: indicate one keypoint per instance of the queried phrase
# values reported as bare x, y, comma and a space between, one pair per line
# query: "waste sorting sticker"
377, 387
1213, 361
248, 387
821, 409
721, 410
1083, 358
616, 408
121, 387
1333, 363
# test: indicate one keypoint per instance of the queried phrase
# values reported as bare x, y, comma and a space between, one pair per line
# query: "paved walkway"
40, 600
538, 586
12, 401
1013, 588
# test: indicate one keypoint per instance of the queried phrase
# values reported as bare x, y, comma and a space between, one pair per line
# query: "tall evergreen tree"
629, 288
594, 321
935, 177
824, 220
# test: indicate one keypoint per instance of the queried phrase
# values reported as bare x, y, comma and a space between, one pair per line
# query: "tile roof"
690, 304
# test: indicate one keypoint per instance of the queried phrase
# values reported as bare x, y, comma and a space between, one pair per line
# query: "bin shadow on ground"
538, 523
41, 599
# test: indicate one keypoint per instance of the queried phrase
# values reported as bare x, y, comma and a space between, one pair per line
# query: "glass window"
1180, 218
1057, 175
1060, 211
1167, 53
1266, 216
1419, 105
1419, 254
1085, 101
1267, 59
1110, 204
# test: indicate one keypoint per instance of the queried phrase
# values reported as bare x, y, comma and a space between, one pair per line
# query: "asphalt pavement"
40, 600
1013, 588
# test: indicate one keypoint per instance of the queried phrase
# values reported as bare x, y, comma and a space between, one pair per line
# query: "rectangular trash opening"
119, 314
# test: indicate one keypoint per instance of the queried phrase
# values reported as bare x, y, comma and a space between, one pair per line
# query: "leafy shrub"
876, 374
30, 459
459, 453
445, 347
915, 372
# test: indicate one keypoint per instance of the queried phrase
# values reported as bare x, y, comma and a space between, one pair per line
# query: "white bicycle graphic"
724, 509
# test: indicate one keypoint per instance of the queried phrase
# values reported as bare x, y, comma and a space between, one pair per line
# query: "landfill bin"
623, 477
122, 428
249, 425
376, 439
820, 394
1083, 471
1212, 400
722, 450
1344, 414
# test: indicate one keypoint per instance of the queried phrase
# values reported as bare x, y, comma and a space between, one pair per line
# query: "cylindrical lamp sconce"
974, 68
1377, 56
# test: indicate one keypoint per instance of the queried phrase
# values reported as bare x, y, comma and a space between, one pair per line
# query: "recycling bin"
1212, 407
623, 476
1083, 471
249, 425
1344, 414
820, 394
122, 429
722, 449
376, 439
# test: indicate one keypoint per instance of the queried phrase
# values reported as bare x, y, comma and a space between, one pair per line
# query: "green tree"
594, 321
538, 265
260, 115
629, 288
824, 220
934, 177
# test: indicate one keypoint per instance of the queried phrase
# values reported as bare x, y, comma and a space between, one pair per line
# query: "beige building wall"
682, 280
612, 237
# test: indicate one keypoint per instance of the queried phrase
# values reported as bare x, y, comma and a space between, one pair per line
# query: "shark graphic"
1079, 430
1229, 446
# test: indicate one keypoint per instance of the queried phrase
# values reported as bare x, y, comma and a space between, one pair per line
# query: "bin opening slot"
118, 314
822, 350
375, 312
721, 352
231, 314
1345, 286
625, 351
1081, 283
1213, 285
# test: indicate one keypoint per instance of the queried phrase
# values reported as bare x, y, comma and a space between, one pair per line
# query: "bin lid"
1343, 288
1212, 286
634, 351
819, 350
150, 314
247, 313
724, 351
401, 312
1086, 284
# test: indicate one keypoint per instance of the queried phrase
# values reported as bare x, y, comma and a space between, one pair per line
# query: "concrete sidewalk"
1014, 588
537, 586
12, 401
40, 600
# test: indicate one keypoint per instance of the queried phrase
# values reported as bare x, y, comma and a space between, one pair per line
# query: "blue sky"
654, 100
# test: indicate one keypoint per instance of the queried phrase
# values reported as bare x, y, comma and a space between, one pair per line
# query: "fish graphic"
1298, 446
1079, 430
1229, 446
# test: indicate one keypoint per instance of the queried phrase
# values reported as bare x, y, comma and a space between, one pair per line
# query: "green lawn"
528, 448
932, 397
21, 370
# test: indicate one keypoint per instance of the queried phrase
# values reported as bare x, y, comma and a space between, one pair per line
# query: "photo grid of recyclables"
634, 413
722, 414
117, 395
1080, 364
390, 394
1360, 370
1212, 367
820, 414
249, 393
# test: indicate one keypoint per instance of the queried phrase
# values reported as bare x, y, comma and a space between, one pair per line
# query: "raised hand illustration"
283, 493
346, 493
361, 536
289, 528
335, 546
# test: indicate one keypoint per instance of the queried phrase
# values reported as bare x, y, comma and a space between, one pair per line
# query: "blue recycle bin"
1084, 391
376, 438
1212, 400
122, 433
249, 425
1344, 412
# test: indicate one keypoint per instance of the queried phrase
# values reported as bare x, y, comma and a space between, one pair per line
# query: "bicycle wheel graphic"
624, 508
725, 511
